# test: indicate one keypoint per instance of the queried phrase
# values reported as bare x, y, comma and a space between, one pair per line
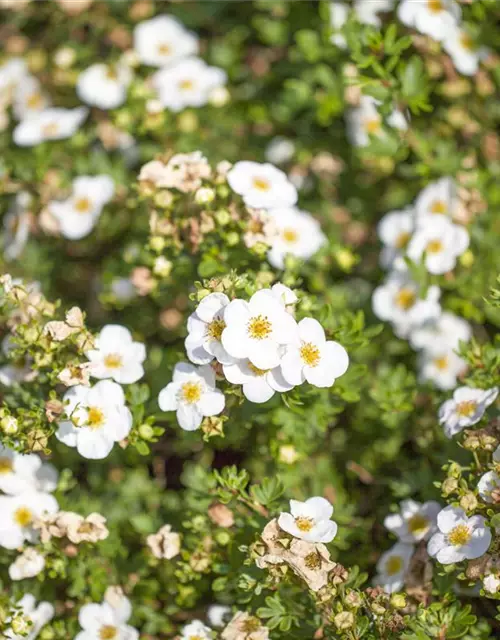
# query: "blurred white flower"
365, 120
49, 124
395, 230
465, 54
393, 566
435, 18
280, 150
196, 630
309, 520
106, 622
205, 327
298, 234
459, 537
416, 521
20, 473
104, 86
439, 243
116, 355
261, 185
27, 565
465, 409
438, 198
29, 99
444, 332
39, 615
491, 583
17, 514
163, 40
441, 367
259, 385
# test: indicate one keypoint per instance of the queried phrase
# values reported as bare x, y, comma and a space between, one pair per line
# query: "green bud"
146, 431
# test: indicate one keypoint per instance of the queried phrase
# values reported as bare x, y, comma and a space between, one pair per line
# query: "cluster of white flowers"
97, 416
264, 187
257, 344
427, 234
365, 11
107, 620
365, 121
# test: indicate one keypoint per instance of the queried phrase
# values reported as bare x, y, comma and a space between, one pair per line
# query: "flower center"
418, 524
256, 370
108, 632
85, 527
467, 42
250, 625
34, 101
82, 205
113, 360
191, 392
111, 74
290, 235
259, 327
261, 184
23, 516
372, 125
393, 565
466, 409
51, 129
405, 298
402, 239
434, 246
435, 6
310, 354
215, 328
304, 524
439, 206
441, 363
95, 418
186, 85
459, 535
312, 561
164, 49
6, 465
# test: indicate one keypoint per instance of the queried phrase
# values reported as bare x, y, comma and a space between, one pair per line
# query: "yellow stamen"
186, 85
164, 49
23, 516
256, 370
418, 524
402, 239
50, 130
393, 565
467, 42
113, 361
95, 418
441, 363
6, 465
290, 235
82, 205
34, 101
372, 126
466, 409
261, 184
259, 327
439, 206
108, 632
459, 535
215, 328
310, 354
434, 246
304, 524
191, 392
405, 298
435, 6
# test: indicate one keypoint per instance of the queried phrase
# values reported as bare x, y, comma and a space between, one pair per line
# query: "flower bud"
344, 620
9, 425
204, 195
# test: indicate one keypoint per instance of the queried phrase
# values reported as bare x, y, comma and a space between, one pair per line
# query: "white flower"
25, 472
98, 418
123, 289
441, 242
465, 409
50, 124
313, 358
459, 537
365, 120
441, 367
27, 565
17, 514
438, 198
284, 294
435, 18
117, 355
491, 583
280, 150
338, 17
489, 482
163, 40
309, 520
257, 329
395, 230
29, 99
259, 385
367, 10
106, 622
205, 327
218, 615
196, 630
298, 234
192, 394
414, 522
261, 185
444, 332
465, 54
104, 86
188, 83
398, 301
12, 72
78, 214
39, 615
392, 567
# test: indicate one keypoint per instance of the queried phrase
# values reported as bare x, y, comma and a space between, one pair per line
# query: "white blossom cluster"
427, 234
257, 344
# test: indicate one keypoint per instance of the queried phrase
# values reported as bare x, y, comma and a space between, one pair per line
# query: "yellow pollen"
82, 205
467, 42
23, 516
441, 363
372, 126
34, 101
402, 239
111, 74
434, 246
259, 327
250, 625
164, 49
418, 524
466, 409
393, 565
439, 206
290, 235
85, 527
459, 535
113, 361
256, 370
215, 328
108, 632
435, 6
6, 465
95, 418
51, 129
304, 524
405, 298
191, 392
195, 638
261, 184
186, 85
309, 354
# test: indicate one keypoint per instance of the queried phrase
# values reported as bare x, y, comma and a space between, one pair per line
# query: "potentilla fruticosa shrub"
249, 311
